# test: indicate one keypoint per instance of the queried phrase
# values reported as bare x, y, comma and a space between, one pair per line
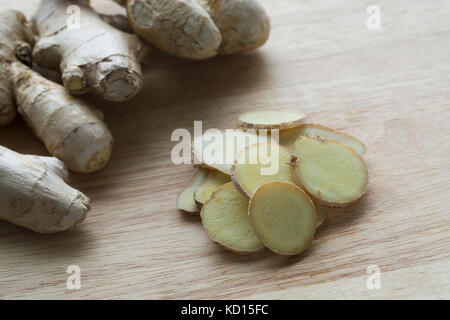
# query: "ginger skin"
35, 195
199, 29
70, 129
15, 40
118, 21
94, 57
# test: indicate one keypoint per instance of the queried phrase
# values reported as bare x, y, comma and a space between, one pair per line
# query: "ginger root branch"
91, 54
70, 129
35, 195
199, 29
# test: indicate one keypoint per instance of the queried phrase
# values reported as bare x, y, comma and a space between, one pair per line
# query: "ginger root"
70, 129
118, 21
199, 29
34, 193
91, 56
15, 40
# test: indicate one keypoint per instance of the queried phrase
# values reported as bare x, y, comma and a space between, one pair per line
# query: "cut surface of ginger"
288, 137
265, 119
214, 180
218, 149
225, 218
185, 200
284, 217
259, 164
333, 173
322, 213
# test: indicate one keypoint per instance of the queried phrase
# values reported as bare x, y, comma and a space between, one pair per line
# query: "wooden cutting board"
390, 87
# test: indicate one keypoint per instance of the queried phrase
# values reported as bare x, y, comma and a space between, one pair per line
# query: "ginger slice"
322, 214
219, 149
259, 164
284, 217
331, 172
288, 137
214, 180
265, 119
185, 200
225, 218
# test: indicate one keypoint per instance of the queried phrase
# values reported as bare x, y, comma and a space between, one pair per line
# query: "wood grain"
389, 87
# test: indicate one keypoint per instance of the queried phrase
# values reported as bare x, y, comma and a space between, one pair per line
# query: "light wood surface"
389, 87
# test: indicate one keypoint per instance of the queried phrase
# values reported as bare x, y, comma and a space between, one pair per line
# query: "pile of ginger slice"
280, 185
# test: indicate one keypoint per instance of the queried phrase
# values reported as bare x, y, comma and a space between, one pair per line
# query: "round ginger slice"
284, 217
214, 180
225, 218
322, 214
288, 137
265, 119
218, 149
332, 173
259, 164
185, 200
